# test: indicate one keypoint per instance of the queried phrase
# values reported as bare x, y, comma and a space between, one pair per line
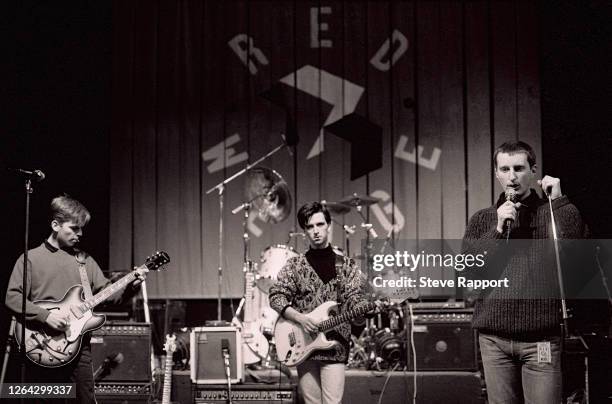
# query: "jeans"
321, 382
513, 374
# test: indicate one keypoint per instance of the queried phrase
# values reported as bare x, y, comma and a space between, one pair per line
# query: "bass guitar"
294, 344
51, 348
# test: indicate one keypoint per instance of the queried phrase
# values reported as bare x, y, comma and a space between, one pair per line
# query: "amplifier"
206, 358
121, 352
119, 393
444, 340
447, 316
247, 393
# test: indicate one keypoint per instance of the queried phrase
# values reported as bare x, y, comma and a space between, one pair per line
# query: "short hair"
513, 148
66, 209
309, 209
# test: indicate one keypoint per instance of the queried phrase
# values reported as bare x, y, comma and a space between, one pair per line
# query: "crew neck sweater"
517, 311
51, 272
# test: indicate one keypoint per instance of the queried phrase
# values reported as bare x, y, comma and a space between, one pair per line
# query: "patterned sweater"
526, 310
300, 287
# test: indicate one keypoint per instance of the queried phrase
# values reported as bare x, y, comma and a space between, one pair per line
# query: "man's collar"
50, 246
532, 201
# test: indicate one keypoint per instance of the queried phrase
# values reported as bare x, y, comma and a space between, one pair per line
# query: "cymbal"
336, 208
356, 200
269, 193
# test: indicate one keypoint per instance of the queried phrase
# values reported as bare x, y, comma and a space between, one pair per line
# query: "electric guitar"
169, 347
255, 346
294, 344
51, 348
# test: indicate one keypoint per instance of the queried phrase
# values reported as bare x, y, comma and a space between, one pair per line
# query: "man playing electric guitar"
52, 269
304, 283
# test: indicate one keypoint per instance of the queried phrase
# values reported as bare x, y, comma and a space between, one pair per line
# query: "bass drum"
273, 259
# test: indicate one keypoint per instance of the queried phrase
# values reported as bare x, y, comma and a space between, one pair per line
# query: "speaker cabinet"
121, 352
397, 387
444, 346
207, 365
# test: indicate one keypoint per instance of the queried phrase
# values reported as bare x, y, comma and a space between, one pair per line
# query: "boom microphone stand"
220, 188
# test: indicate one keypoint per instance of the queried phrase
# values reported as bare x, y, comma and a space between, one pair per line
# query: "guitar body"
50, 348
294, 345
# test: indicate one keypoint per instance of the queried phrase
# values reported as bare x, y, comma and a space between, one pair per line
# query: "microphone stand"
564, 310
220, 187
227, 375
24, 290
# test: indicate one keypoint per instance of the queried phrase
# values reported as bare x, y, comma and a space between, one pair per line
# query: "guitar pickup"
291, 339
78, 311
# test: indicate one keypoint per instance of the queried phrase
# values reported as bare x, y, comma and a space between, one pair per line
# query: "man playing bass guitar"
306, 282
53, 268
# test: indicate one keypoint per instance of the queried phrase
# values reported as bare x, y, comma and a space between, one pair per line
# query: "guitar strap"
80, 258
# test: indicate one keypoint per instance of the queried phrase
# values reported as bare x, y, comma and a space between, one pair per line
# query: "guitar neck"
344, 317
109, 291
167, 379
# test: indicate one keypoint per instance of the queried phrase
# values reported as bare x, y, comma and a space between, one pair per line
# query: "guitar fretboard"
106, 293
346, 316
167, 379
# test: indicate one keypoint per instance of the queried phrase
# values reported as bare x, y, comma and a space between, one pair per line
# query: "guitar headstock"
157, 260
170, 344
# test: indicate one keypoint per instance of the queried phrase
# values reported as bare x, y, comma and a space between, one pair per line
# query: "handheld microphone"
36, 175
510, 197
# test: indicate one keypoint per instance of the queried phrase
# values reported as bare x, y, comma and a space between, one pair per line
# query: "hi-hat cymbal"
336, 208
356, 200
269, 193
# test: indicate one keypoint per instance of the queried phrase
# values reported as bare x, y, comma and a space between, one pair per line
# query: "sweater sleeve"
481, 234
14, 295
283, 292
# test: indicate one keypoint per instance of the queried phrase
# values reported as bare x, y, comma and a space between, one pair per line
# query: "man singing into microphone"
519, 326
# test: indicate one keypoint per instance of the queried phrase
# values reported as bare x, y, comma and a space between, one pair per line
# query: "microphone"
510, 197
36, 175
225, 351
225, 348
109, 362
296, 234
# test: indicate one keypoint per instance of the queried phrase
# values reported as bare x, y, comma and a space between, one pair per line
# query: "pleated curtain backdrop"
203, 88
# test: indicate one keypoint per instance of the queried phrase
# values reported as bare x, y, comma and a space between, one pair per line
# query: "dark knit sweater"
525, 310
51, 272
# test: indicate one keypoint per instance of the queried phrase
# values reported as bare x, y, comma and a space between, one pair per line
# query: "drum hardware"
357, 201
336, 208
